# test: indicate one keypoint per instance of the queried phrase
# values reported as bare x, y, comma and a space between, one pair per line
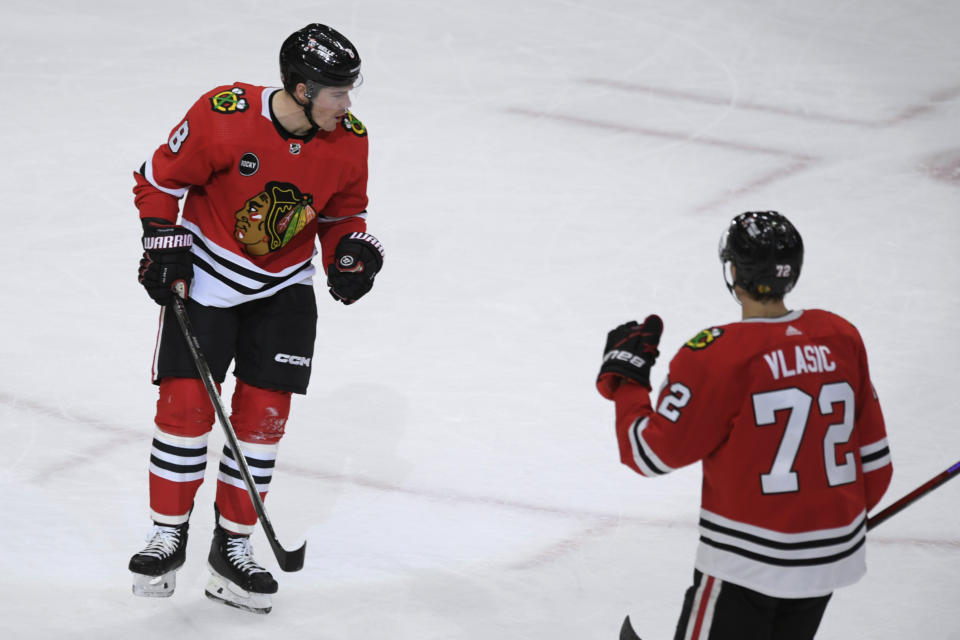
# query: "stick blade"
290, 561
627, 632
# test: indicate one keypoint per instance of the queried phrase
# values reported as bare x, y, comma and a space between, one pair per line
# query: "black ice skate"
235, 577
155, 568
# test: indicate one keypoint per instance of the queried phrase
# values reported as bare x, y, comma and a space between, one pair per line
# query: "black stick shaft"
288, 560
913, 496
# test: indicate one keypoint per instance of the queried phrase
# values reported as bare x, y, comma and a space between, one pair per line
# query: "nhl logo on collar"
295, 148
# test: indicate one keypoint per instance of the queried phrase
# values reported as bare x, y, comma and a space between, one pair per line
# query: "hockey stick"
913, 496
288, 560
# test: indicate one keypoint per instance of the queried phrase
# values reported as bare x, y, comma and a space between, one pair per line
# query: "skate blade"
219, 589
161, 586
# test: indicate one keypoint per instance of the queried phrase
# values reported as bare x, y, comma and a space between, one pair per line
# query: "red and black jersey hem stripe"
786, 546
784, 562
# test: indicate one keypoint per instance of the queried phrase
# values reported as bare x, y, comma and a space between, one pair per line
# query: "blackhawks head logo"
271, 218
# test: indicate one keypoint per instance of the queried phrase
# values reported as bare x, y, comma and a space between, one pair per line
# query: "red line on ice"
678, 136
797, 162
907, 113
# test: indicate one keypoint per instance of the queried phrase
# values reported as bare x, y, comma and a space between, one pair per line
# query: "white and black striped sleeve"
875, 455
648, 462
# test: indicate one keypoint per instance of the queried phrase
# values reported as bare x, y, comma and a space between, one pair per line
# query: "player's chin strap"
314, 127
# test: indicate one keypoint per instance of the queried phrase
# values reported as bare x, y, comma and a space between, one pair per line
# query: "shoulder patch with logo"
351, 124
704, 339
230, 101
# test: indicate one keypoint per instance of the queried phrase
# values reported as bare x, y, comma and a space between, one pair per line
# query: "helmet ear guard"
761, 252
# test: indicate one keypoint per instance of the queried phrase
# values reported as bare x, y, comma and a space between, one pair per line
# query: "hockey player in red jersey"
265, 173
780, 409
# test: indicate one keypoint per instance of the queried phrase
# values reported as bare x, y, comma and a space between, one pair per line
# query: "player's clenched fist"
166, 259
358, 259
630, 352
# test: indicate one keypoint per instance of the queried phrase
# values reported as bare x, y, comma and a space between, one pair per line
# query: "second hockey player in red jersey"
265, 173
781, 411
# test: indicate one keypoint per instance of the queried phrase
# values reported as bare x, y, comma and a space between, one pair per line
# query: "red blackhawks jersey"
788, 426
256, 198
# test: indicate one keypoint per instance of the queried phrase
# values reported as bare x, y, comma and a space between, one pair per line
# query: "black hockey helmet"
766, 252
318, 56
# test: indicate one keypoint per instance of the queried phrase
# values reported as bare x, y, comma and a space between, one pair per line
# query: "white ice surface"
540, 171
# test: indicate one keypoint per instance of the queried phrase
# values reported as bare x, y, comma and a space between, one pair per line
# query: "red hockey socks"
259, 417
178, 457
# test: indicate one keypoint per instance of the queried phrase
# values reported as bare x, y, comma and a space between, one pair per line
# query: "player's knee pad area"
259, 415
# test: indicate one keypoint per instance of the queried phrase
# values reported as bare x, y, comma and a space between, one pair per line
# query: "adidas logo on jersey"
793, 331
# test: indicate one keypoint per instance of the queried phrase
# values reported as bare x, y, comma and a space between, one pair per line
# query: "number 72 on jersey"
781, 478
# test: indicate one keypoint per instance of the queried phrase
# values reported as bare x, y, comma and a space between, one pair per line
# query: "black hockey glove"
358, 260
166, 259
630, 352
